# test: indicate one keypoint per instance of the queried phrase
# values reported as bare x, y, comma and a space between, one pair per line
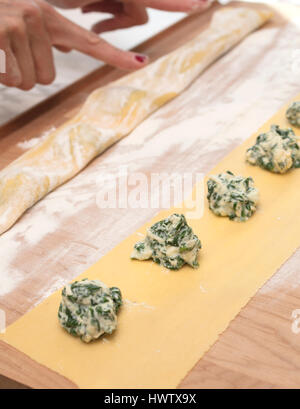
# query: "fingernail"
141, 58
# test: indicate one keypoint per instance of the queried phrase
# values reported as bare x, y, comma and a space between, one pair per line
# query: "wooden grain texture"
223, 107
20, 368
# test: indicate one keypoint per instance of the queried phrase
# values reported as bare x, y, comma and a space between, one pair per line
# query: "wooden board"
223, 107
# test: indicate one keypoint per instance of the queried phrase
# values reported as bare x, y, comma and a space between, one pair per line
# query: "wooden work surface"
67, 232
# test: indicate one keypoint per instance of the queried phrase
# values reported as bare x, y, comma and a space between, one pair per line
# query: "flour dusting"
9, 276
132, 304
31, 143
224, 106
25, 145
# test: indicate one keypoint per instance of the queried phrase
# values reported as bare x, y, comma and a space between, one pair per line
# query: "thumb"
68, 35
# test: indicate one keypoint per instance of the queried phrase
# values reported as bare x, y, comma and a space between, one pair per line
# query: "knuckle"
30, 10
2, 31
93, 39
15, 26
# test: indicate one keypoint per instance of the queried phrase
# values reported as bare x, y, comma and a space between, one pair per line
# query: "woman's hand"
129, 13
29, 29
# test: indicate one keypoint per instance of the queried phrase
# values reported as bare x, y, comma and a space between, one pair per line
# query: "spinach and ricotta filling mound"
276, 151
169, 242
293, 114
89, 309
232, 196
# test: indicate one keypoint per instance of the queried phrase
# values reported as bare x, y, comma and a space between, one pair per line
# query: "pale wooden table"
67, 232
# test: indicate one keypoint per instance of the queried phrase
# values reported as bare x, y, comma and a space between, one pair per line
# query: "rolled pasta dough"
112, 112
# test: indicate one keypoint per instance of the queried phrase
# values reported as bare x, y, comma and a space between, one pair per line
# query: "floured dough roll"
232, 196
110, 113
89, 309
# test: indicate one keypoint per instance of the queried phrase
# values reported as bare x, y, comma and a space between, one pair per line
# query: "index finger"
65, 33
175, 5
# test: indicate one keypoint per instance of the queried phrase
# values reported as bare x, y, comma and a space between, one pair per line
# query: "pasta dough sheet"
172, 318
111, 112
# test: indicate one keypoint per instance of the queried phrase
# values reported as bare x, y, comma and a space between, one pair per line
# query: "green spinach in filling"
232, 196
89, 309
169, 242
276, 151
293, 114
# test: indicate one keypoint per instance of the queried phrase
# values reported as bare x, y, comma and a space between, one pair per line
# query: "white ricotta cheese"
293, 114
232, 196
169, 242
276, 151
89, 309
